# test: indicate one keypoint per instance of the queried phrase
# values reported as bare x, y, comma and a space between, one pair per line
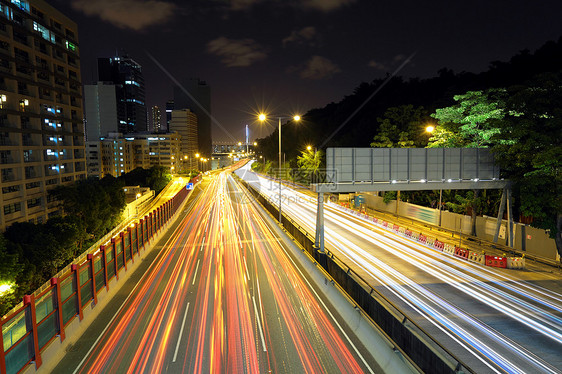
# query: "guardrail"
419, 346
481, 242
43, 316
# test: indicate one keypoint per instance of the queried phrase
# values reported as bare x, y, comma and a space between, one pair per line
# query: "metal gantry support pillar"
319, 239
505, 201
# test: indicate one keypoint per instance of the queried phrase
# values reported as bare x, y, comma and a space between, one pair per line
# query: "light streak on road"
439, 286
224, 296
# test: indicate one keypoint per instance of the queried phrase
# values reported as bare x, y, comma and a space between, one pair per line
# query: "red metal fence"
44, 315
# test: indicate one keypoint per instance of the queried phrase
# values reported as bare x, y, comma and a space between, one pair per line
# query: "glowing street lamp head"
262, 117
197, 155
430, 129
5, 288
255, 144
297, 118
239, 143
308, 148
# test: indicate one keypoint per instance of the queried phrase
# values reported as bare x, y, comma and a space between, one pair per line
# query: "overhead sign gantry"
410, 169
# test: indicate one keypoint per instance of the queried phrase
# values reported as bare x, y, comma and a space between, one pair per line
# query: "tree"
155, 178
309, 164
10, 270
158, 178
472, 122
529, 150
402, 127
96, 204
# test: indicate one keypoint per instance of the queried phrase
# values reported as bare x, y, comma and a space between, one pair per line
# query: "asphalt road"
495, 320
222, 295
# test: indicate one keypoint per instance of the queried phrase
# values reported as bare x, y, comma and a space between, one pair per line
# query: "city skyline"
293, 57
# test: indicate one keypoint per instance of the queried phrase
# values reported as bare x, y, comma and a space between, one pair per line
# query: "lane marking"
195, 274
259, 324
246, 266
176, 233
181, 332
202, 245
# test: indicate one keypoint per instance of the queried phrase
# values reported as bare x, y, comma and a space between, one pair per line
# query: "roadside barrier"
39, 326
476, 257
496, 261
461, 252
516, 263
449, 248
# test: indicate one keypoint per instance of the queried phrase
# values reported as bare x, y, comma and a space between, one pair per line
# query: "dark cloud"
305, 36
236, 52
316, 68
132, 14
322, 5
326, 5
376, 65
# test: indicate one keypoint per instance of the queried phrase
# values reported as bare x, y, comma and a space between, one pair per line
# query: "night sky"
291, 56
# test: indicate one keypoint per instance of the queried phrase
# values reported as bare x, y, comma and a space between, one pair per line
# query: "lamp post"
262, 117
429, 129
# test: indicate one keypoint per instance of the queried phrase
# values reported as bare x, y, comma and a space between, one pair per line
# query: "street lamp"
262, 117
430, 129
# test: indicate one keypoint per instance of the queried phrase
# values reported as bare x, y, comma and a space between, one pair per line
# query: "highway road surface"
225, 295
494, 320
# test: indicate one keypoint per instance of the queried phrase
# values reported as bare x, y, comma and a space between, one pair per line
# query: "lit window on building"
22, 4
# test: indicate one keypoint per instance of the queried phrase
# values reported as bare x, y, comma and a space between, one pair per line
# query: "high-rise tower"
42, 135
199, 102
126, 75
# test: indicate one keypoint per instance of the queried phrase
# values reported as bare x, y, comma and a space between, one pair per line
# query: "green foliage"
402, 127
263, 168
155, 178
48, 246
529, 150
96, 204
309, 163
389, 196
473, 120
10, 270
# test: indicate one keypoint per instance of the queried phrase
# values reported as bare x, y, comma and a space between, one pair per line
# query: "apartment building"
117, 154
184, 122
41, 118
